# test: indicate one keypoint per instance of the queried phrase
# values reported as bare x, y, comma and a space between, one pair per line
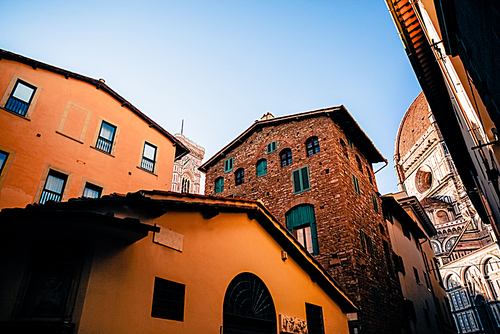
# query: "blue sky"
220, 65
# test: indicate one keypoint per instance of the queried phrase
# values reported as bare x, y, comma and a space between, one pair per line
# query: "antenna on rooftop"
182, 126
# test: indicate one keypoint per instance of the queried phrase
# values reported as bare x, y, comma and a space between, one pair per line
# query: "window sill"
64, 135
145, 170
103, 152
16, 114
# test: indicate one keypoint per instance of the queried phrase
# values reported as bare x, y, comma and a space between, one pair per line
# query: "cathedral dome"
414, 125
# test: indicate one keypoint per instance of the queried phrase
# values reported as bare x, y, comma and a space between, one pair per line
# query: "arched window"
360, 166
219, 185
344, 148
452, 282
492, 271
261, 167
442, 216
239, 176
286, 157
185, 185
450, 243
312, 146
248, 304
435, 247
472, 278
423, 179
300, 220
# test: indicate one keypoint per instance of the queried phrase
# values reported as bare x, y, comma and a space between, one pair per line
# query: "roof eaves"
181, 149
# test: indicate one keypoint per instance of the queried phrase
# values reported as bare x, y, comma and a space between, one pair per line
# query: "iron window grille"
148, 157
92, 191
312, 146
106, 136
168, 300
21, 97
54, 187
239, 176
219, 185
286, 157
3, 160
314, 316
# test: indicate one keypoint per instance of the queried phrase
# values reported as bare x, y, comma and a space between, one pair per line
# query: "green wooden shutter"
305, 178
355, 184
261, 167
370, 246
374, 200
301, 216
228, 165
296, 181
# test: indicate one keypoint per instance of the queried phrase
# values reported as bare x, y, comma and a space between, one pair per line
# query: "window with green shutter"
271, 147
356, 184
228, 165
261, 167
362, 237
219, 185
374, 201
301, 180
301, 221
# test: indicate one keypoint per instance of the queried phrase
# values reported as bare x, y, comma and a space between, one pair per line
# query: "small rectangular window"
376, 297
261, 167
219, 185
417, 277
21, 97
106, 136
168, 300
54, 187
374, 201
356, 184
301, 180
148, 157
271, 147
362, 237
3, 160
92, 191
314, 318
228, 165
369, 244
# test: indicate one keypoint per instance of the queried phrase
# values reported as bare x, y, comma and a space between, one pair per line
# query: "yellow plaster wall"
120, 290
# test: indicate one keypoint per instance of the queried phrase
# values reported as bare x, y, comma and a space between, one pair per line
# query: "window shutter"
362, 237
370, 246
296, 181
305, 178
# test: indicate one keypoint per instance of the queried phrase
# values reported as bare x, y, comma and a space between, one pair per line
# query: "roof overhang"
339, 115
402, 216
180, 148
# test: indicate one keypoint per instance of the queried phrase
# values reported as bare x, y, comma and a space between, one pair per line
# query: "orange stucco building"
161, 262
67, 135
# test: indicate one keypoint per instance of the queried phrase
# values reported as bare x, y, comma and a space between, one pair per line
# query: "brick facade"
340, 212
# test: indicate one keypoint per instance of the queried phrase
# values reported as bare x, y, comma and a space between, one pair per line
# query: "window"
366, 243
301, 221
286, 157
344, 148
301, 180
349, 141
374, 201
92, 191
106, 137
376, 297
314, 318
261, 167
54, 187
360, 166
271, 147
369, 175
3, 160
148, 157
228, 165
398, 263
239, 176
21, 97
312, 146
387, 256
186, 185
168, 300
417, 277
219, 185
356, 184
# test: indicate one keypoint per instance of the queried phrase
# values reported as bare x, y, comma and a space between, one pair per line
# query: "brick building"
313, 171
